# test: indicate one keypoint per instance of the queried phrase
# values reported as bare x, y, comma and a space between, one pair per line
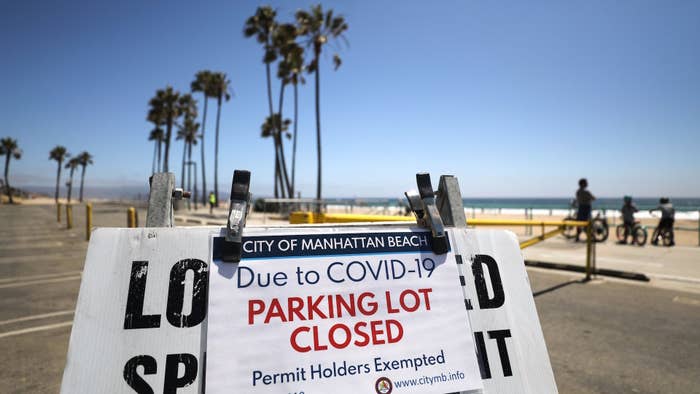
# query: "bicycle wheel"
569, 231
655, 236
640, 235
620, 232
600, 230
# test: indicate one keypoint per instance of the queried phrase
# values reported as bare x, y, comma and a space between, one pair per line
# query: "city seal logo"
383, 386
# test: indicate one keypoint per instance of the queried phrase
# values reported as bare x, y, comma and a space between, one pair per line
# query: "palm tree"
9, 148
155, 115
219, 90
72, 164
262, 26
202, 83
59, 153
319, 27
291, 63
84, 159
289, 70
164, 106
188, 133
157, 135
270, 128
188, 109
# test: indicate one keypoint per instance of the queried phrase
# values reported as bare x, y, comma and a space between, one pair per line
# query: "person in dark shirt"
584, 199
668, 214
628, 210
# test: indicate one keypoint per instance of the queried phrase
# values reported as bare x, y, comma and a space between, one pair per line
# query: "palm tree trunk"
182, 179
277, 176
82, 181
8, 189
216, 152
294, 144
269, 82
274, 140
280, 147
168, 134
195, 187
189, 171
160, 162
318, 129
58, 178
189, 174
204, 174
70, 184
155, 151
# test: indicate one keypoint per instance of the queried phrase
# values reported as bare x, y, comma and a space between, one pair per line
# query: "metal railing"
303, 217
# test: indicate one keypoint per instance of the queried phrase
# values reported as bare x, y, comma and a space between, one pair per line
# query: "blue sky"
514, 98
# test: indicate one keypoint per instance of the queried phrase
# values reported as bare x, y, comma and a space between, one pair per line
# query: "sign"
510, 346
370, 312
141, 318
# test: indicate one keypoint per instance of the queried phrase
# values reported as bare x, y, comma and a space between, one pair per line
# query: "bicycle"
638, 233
599, 225
663, 232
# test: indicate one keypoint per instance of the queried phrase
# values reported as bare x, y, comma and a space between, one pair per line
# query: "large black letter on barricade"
133, 379
481, 291
172, 365
176, 293
500, 337
481, 355
134, 317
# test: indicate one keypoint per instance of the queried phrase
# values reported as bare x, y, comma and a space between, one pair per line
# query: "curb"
600, 271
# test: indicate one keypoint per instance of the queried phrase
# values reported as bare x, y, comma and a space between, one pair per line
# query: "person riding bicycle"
584, 198
666, 222
628, 210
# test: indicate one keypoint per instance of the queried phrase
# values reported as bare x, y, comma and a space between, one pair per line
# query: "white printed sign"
372, 312
139, 323
141, 320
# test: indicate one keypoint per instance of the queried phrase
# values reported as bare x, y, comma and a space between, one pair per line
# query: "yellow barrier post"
58, 212
131, 217
69, 216
543, 232
589, 249
88, 220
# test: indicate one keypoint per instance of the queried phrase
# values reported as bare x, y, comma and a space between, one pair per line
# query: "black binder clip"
237, 214
427, 215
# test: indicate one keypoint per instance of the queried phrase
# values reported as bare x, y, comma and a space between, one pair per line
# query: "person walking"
584, 199
212, 202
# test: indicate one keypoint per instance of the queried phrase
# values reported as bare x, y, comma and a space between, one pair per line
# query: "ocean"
681, 204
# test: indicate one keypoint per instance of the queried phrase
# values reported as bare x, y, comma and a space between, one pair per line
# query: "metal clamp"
427, 215
237, 214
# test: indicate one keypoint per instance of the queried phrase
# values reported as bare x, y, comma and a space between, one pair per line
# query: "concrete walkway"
677, 267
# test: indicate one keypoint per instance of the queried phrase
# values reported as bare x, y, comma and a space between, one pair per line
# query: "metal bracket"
160, 200
427, 214
237, 214
449, 202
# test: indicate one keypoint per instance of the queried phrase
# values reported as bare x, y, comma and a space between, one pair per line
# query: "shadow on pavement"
559, 286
